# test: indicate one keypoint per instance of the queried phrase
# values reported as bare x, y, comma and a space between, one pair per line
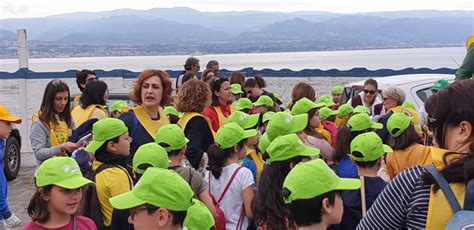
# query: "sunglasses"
366, 91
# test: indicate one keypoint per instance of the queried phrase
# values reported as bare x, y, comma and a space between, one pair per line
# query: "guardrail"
354, 72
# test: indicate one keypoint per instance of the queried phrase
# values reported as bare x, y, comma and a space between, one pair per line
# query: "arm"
466, 70
248, 197
40, 143
247, 186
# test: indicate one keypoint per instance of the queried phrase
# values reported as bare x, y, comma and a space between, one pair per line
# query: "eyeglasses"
57, 82
366, 91
135, 211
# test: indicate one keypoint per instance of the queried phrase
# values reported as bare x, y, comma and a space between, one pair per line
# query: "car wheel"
12, 158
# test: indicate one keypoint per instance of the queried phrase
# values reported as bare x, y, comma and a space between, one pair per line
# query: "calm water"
371, 59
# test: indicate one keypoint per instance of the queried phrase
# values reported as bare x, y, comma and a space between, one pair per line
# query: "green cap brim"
249, 133
348, 184
329, 104
236, 91
258, 104
309, 152
319, 105
387, 149
74, 183
301, 122
93, 146
376, 125
252, 121
126, 201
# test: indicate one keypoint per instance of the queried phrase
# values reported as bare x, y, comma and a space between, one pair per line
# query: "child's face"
315, 121
62, 201
139, 217
335, 211
5, 129
122, 147
253, 141
336, 98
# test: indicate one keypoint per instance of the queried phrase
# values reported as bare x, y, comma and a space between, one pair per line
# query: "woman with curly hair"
193, 97
151, 92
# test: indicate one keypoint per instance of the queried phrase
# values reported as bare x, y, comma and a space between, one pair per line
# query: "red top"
82, 223
211, 113
332, 129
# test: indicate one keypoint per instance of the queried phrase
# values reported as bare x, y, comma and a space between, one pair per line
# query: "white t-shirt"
232, 202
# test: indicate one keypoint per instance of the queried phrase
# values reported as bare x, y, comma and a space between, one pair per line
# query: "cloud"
11, 9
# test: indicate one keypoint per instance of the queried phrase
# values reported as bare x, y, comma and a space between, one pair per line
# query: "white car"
416, 86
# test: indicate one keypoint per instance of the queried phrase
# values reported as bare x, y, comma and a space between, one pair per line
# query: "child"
264, 104
243, 104
55, 204
111, 147
149, 155
336, 93
343, 115
159, 201
366, 151
268, 207
172, 139
224, 171
236, 90
312, 192
198, 217
118, 108
6, 119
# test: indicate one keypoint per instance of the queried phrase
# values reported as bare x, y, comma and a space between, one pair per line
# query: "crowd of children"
227, 154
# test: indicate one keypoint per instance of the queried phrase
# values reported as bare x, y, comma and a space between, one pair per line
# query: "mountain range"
304, 29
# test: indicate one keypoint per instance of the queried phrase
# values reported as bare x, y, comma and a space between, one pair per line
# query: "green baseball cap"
267, 116
264, 100
283, 123
158, 187
345, 110
327, 100
198, 217
439, 85
409, 105
244, 120
337, 90
150, 153
369, 146
304, 105
171, 137
118, 106
362, 121
361, 109
242, 103
231, 134
104, 130
398, 123
170, 110
60, 171
314, 178
236, 88
326, 112
287, 147
264, 143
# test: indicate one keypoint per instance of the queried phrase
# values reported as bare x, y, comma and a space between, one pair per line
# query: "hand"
69, 147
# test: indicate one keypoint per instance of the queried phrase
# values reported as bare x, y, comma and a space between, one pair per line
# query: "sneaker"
12, 222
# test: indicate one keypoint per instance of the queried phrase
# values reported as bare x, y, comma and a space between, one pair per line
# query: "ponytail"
218, 157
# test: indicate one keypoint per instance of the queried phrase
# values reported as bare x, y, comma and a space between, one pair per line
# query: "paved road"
21, 189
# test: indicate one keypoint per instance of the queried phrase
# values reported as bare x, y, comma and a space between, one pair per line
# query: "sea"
449, 57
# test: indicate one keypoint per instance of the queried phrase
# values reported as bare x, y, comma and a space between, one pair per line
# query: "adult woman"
220, 105
451, 118
151, 92
191, 100
92, 101
56, 201
311, 137
208, 74
369, 98
52, 124
254, 89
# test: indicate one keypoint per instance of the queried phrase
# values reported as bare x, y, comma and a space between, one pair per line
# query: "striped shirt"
402, 204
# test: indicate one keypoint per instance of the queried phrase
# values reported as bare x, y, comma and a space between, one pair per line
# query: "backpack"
220, 220
90, 201
462, 218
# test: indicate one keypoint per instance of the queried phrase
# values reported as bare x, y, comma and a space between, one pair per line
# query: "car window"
424, 93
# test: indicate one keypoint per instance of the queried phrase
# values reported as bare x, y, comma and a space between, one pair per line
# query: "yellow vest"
416, 121
150, 125
326, 134
75, 102
257, 159
183, 121
220, 116
439, 210
58, 134
81, 115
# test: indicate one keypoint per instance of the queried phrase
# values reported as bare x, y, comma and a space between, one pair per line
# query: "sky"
41, 8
